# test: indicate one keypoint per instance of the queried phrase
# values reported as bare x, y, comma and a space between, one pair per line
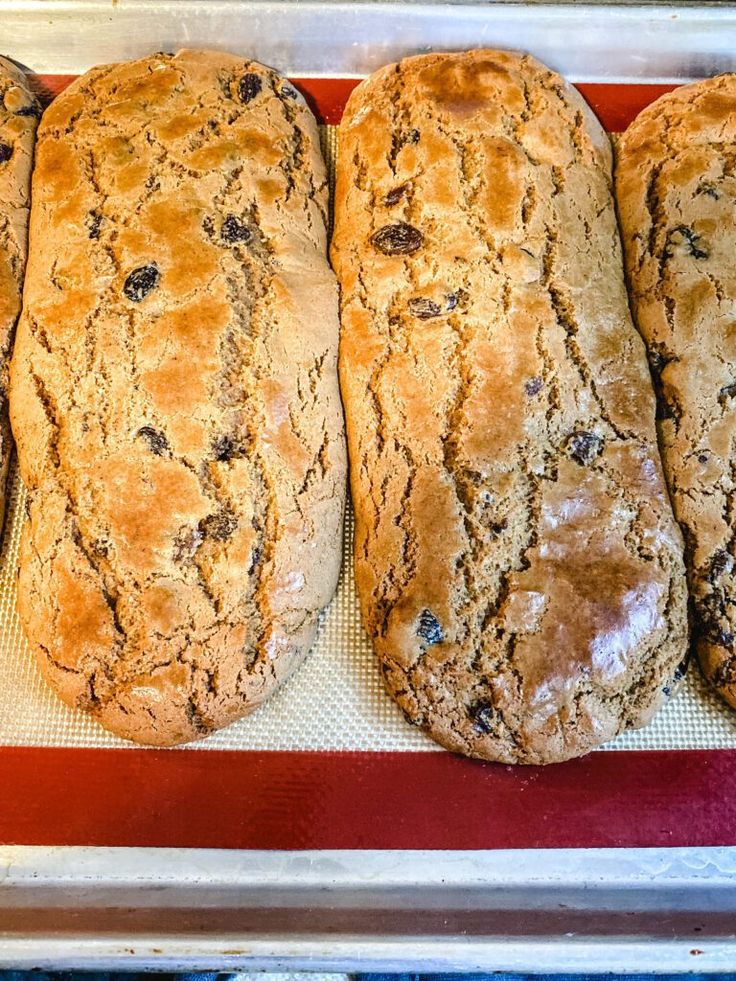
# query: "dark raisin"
423, 308
141, 281
686, 239
533, 386
584, 447
6, 152
95, 221
395, 194
33, 110
399, 239
720, 563
255, 559
679, 673
429, 628
157, 442
234, 230
482, 713
226, 448
727, 393
703, 458
249, 86
289, 92
219, 526
186, 543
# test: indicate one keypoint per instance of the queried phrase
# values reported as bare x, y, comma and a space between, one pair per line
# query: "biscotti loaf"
676, 190
19, 114
519, 568
174, 394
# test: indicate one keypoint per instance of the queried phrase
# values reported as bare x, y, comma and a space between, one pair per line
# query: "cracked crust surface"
519, 568
19, 112
174, 394
676, 190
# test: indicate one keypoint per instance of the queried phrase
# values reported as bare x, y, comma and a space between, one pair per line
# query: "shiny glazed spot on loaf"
519, 568
174, 394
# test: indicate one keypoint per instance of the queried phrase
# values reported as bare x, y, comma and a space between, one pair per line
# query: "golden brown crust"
676, 190
174, 394
519, 568
19, 112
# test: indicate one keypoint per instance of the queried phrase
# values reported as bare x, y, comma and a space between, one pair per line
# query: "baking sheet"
625, 904
335, 701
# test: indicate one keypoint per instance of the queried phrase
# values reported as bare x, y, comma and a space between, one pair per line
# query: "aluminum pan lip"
695, 888
157, 952
617, 42
33, 868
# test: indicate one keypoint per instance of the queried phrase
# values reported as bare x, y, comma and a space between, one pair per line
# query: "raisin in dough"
676, 189
174, 394
519, 567
19, 112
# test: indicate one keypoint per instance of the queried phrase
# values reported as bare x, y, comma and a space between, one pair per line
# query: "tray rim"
693, 39
704, 877
696, 885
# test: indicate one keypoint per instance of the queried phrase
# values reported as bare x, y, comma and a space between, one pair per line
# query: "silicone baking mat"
335, 701
329, 762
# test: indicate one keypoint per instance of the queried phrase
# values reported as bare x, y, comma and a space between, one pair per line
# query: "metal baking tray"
345, 904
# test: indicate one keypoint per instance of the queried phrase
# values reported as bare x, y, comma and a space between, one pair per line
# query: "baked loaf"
174, 394
19, 112
676, 189
519, 568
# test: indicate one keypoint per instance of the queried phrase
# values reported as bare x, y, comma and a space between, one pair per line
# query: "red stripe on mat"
303, 800
615, 105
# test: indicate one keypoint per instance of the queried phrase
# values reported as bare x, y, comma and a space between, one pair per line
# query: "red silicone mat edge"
326, 800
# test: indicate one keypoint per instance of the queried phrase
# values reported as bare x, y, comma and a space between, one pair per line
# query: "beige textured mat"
334, 702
